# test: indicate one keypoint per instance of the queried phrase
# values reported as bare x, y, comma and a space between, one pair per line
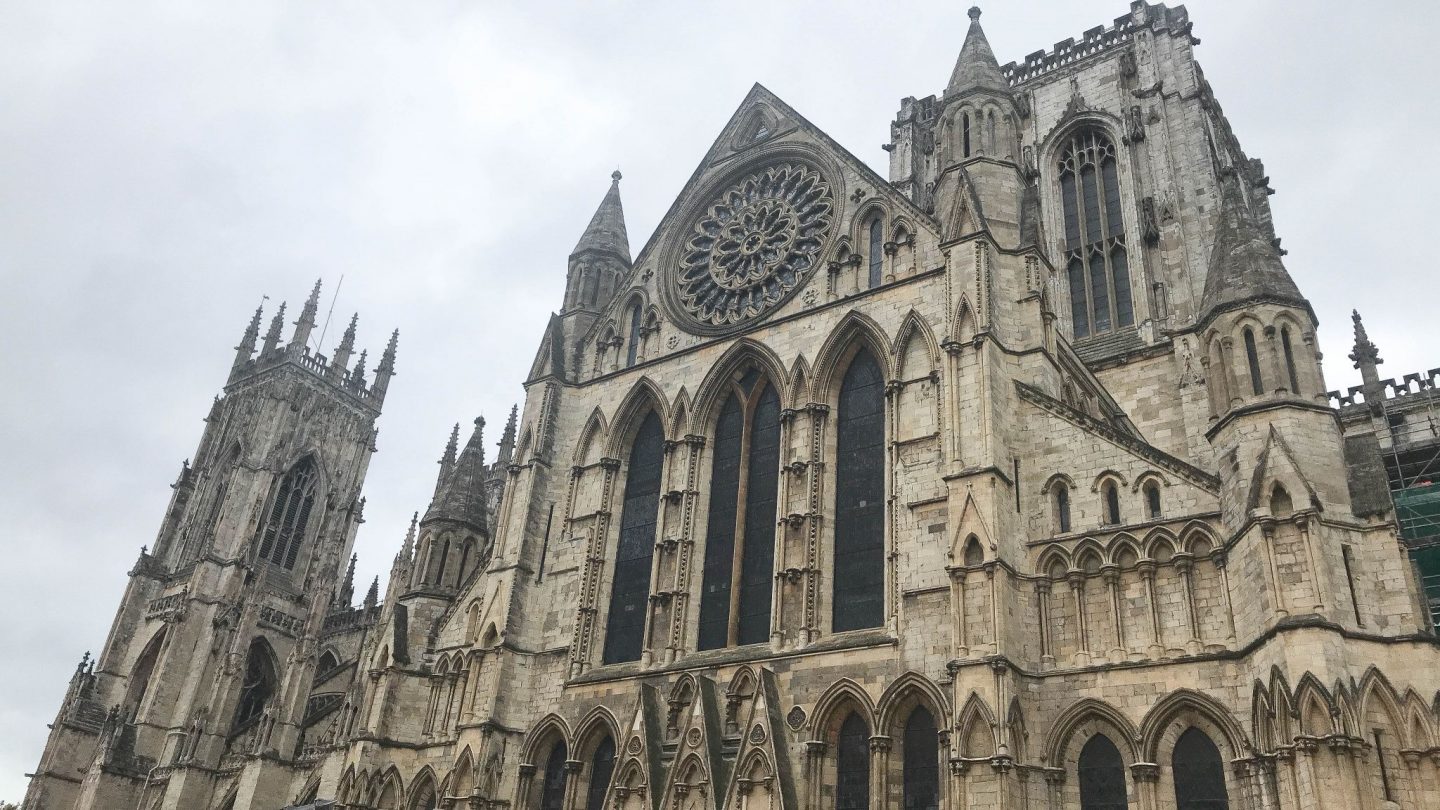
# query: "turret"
601, 258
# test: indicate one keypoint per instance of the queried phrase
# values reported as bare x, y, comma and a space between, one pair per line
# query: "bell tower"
213, 649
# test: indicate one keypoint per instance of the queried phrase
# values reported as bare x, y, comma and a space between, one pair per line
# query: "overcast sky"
165, 164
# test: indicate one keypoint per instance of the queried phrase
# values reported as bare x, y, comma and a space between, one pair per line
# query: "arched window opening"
1289, 350
552, 786
1111, 494
852, 765
630, 588
877, 251
1062, 509
284, 530
921, 764
1096, 264
602, 768
740, 536
1280, 503
1252, 359
1102, 776
859, 559
633, 345
1152, 500
1199, 774
258, 686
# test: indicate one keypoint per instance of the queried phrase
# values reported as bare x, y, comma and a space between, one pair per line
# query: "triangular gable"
698, 772
1277, 465
637, 766
762, 765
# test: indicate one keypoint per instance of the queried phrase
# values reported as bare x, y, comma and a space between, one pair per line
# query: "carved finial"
974, 12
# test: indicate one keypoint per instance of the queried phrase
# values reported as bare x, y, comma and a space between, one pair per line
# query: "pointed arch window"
552, 786
877, 251
1199, 774
630, 587
740, 536
852, 765
1102, 776
1289, 350
284, 529
632, 349
859, 559
258, 686
921, 764
1252, 362
602, 768
1096, 262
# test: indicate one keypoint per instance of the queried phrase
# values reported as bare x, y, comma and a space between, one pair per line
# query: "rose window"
754, 245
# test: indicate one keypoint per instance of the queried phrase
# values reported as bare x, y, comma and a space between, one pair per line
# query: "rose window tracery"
754, 244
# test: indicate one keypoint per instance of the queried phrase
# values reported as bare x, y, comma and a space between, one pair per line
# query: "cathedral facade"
1007, 481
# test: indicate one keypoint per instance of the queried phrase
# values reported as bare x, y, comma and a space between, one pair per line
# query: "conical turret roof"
1245, 265
976, 68
461, 497
606, 231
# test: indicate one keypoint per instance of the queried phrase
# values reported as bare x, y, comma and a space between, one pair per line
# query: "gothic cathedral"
1009, 481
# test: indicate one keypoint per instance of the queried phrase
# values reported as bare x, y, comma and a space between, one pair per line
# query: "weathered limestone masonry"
1008, 482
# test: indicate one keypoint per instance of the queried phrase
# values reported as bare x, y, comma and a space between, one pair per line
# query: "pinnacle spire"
461, 496
976, 67
606, 231
1244, 264
272, 336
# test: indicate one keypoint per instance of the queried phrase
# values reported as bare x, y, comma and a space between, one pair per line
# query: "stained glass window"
284, 530
1199, 774
552, 788
922, 762
852, 765
1102, 776
602, 767
630, 588
1096, 265
859, 579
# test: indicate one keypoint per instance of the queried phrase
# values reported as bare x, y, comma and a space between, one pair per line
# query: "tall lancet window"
1095, 256
877, 251
859, 579
284, 529
740, 538
630, 588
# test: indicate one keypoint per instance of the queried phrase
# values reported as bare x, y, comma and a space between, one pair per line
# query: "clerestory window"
1096, 262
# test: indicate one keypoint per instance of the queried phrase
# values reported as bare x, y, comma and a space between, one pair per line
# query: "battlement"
1425, 383
1099, 39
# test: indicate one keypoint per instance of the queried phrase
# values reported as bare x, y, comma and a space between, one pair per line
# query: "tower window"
632, 349
630, 588
1111, 494
1102, 775
1199, 774
1289, 359
740, 539
859, 497
284, 530
852, 761
1096, 264
877, 252
1252, 360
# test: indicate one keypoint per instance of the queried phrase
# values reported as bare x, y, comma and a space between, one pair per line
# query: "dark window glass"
1062, 509
1252, 359
1199, 774
859, 580
1152, 500
1102, 776
552, 788
602, 767
630, 589
720, 535
852, 765
757, 565
1289, 360
922, 762
1096, 259
877, 251
1112, 504
634, 343
284, 531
